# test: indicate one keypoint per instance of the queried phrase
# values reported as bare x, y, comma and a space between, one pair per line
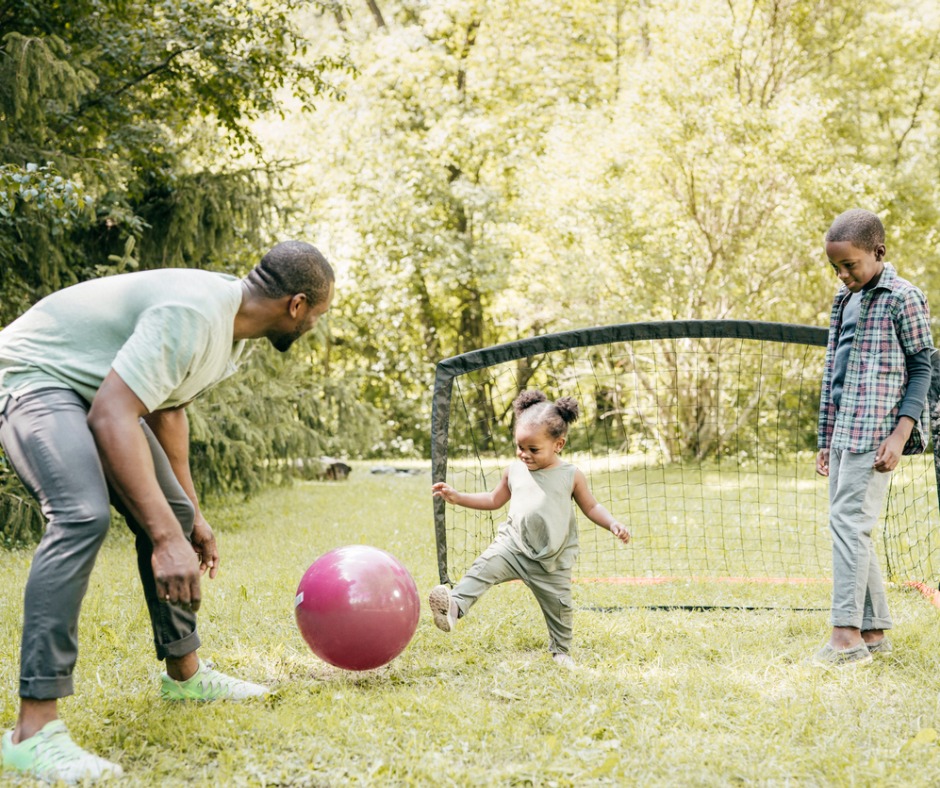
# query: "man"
94, 382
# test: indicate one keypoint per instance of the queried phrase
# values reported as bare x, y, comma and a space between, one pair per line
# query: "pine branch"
162, 66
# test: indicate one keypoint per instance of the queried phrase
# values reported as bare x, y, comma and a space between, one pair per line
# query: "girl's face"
536, 447
855, 267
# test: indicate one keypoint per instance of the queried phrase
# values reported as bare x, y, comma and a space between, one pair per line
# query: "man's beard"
283, 342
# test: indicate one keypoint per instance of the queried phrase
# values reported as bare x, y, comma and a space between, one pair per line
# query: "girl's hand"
620, 531
445, 491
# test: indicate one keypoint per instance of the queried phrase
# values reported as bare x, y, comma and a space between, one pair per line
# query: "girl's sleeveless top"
541, 523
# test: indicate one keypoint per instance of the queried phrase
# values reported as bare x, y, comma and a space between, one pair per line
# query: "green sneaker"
51, 755
209, 684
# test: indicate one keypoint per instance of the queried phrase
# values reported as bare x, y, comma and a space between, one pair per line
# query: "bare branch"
921, 97
376, 13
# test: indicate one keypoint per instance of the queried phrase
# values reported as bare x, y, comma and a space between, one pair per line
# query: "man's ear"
880, 251
296, 301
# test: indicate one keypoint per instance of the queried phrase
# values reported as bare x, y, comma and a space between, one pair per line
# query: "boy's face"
855, 267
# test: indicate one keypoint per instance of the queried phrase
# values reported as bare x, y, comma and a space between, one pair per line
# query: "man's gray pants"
46, 439
552, 590
856, 497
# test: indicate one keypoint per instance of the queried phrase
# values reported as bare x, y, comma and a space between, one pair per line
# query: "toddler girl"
538, 542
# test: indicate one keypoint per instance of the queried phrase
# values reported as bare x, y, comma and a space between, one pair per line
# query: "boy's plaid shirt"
893, 323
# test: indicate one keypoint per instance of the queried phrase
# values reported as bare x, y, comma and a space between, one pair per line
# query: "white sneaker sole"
440, 603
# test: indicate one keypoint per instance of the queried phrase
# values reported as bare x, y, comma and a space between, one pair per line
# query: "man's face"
304, 320
855, 267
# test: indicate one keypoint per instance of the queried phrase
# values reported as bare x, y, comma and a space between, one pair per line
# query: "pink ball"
357, 607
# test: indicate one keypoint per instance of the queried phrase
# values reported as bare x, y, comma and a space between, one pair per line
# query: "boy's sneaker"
209, 684
882, 646
443, 608
51, 755
829, 657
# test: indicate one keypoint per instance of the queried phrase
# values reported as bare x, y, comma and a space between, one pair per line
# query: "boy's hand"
889, 453
445, 491
620, 531
822, 462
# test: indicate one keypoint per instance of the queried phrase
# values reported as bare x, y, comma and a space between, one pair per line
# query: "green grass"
662, 697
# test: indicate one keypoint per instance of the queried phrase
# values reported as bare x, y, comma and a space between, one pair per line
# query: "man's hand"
176, 572
203, 541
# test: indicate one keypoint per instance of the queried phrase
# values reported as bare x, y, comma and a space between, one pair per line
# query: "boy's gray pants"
552, 590
856, 497
46, 439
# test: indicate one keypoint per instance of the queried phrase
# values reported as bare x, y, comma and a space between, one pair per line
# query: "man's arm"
171, 429
125, 455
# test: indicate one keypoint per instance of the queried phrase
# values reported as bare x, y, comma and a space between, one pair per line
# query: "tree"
126, 141
132, 104
510, 168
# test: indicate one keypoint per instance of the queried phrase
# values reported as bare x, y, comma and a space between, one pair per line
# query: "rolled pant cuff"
47, 689
848, 620
179, 648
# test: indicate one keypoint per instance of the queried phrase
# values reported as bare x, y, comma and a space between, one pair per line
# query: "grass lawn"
661, 697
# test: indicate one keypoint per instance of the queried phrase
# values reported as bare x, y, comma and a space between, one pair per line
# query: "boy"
871, 412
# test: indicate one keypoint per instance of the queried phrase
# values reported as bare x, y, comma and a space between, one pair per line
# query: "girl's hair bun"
556, 416
568, 409
527, 399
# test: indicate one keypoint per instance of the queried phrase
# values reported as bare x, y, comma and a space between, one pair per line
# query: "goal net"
699, 435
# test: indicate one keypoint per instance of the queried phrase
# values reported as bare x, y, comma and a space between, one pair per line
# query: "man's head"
297, 274
855, 246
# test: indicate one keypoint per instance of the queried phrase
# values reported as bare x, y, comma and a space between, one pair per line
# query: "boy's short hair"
859, 227
293, 267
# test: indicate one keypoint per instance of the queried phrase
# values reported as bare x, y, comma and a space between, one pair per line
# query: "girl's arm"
486, 501
594, 511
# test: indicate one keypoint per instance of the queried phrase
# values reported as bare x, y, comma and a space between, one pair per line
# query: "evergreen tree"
126, 142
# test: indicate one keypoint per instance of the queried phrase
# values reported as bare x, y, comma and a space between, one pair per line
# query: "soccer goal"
700, 435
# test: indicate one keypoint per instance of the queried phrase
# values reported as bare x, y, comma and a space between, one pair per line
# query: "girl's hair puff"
534, 406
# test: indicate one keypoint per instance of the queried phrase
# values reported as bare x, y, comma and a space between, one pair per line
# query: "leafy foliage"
496, 170
126, 141
146, 107
506, 169
242, 441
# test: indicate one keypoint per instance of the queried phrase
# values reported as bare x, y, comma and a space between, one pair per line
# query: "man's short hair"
293, 267
859, 227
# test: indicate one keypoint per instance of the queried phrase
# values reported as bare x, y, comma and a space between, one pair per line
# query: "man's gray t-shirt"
167, 333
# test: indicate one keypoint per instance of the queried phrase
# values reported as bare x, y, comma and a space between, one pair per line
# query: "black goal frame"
451, 368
